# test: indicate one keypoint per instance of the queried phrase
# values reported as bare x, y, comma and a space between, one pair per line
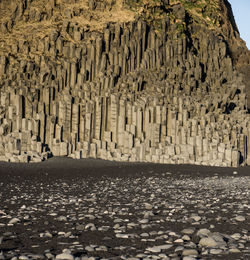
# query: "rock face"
122, 80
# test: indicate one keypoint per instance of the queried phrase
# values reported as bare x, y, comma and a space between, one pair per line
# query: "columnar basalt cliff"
152, 81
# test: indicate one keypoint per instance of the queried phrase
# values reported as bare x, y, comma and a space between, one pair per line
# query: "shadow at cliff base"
67, 168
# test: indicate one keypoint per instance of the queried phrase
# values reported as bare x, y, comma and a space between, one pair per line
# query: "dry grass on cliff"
94, 20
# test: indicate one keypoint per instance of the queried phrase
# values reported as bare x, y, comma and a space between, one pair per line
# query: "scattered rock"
240, 218
65, 256
208, 242
111, 213
14, 221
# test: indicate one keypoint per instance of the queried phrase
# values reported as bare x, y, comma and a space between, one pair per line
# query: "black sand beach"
59, 167
78, 209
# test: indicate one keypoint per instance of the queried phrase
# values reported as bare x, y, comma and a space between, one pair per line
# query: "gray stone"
240, 218
14, 221
188, 231
65, 256
203, 232
216, 251
158, 249
189, 252
208, 242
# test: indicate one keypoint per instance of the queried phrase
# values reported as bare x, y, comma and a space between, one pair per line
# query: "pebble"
196, 218
188, 252
204, 232
148, 206
188, 231
179, 240
179, 249
65, 256
208, 242
216, 251
89, 249
23, 257
140, 217
188, 258
144, 221
240, 218
91, 226
14, 221
186, 238
234, 250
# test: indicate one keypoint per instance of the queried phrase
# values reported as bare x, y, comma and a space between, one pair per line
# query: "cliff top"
26, 18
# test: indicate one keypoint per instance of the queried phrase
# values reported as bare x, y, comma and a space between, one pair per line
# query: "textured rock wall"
127, 93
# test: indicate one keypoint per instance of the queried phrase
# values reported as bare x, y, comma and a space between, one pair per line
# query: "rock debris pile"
162, 216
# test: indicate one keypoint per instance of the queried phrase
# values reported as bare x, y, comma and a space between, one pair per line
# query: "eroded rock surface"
121, 80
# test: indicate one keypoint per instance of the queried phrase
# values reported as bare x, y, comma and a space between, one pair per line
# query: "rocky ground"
93, 209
